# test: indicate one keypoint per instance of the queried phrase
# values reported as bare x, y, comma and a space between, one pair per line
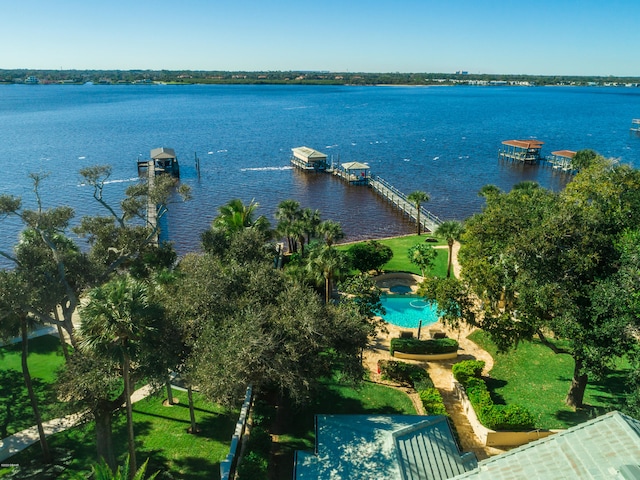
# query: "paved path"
19, 441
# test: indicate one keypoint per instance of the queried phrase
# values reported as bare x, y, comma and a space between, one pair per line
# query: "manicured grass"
161, 436
400, 261
297, 431
45, 356
534, 377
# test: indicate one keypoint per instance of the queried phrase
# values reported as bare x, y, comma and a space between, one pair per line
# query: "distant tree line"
296, 77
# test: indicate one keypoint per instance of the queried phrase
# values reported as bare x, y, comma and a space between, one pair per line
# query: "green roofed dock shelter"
306, 158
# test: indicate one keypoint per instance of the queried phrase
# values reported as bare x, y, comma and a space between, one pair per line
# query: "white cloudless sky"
545, 37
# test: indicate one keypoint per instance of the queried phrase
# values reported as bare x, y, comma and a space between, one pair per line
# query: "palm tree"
235, 216
331, 231
327, 261
117, 315
311, 221
102, 471
451, 232
287, 213
418, 197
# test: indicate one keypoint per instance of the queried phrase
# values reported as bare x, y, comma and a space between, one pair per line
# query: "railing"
427, 219
229, 463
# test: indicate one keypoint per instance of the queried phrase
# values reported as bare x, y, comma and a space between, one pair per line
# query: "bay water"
443, 140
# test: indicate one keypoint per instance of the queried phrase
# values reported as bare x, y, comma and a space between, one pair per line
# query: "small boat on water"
163, 160
635, 126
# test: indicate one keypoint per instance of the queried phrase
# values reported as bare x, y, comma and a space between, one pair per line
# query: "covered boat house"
354, 172
561, 159
163, 160
307, 158
525, 151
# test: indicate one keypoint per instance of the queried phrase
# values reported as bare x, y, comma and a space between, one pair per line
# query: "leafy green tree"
117, 315
423, 256
451, 232
370, 255
362, 292
538, 260
418, 197
15, 318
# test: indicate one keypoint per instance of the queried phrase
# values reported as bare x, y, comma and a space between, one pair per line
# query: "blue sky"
546, 37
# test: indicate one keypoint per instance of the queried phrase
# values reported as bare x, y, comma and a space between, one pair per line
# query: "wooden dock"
524, 151
152, 208
429, 222
561, 160
356, 173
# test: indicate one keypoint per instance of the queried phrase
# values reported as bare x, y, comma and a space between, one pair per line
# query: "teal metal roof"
390, 447
607, 447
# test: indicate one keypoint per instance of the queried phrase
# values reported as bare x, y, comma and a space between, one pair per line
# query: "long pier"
355, 173
428, 221
152, 208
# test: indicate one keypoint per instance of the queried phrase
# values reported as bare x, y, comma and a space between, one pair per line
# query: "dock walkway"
356, 173
429, 222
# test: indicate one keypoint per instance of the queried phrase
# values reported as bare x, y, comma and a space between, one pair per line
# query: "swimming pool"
407, 311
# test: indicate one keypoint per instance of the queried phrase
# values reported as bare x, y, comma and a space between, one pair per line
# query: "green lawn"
161, 435
45, 356
535, 377
297, 431
400, 261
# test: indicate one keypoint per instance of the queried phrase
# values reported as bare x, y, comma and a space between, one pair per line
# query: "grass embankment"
296, 429
45, 356
538, 379
400, 262
161, 436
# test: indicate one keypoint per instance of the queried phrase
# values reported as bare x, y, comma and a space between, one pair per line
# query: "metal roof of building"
163, 153
355, 166
564, 153
308, 154
607, 447
390, 447
524, 143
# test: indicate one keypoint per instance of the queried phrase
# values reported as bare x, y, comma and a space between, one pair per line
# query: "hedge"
492, 416
467, 369
418, 378
401, 372
423, 347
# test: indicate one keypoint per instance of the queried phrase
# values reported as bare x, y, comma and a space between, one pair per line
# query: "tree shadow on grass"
197, 468
493, 384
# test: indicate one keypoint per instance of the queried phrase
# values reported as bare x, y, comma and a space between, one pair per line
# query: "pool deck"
386, 281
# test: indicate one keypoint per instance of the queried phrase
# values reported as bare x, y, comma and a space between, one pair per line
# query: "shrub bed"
423, 347
492, 416
255, 462
417, 378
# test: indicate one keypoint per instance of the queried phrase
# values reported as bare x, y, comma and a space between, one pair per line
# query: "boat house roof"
308, 154
564, 153
355, 166
528, 144
163, 153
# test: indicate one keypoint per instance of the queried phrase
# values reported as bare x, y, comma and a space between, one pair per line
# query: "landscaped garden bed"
493, 424
432, 349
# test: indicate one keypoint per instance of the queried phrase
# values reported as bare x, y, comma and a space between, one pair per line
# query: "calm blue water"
442, 140
407, 311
